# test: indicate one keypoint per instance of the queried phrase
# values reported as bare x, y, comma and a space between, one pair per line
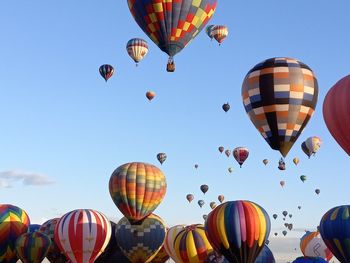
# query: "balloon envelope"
240, 154
312, 245
265, 256
32, 247
280, 96
137, 49
171, 234
106, 71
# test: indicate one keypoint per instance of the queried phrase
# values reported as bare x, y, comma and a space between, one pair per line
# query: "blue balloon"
265, 256
309, 260
33, 227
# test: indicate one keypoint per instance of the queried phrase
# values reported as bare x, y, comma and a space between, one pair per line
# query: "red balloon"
336, 112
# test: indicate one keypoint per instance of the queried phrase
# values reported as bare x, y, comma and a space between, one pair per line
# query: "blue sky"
64, 128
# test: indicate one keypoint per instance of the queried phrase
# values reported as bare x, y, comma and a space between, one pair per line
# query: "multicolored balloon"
169, 241
82, 235
161, 257
312, 245
106, 71
14, 222
208, 31
219, 32
265, 161
228, 153
221, 149
296, 160
32, 247
265, 256
221, 198
137, 49
305, 149
336, 112
141, 242
204, 188
280, 96
150, 95
161, 157
137, 189
212, 205
192, 245
226, 107
189, 197
313, 144
33, 227
172, 25
238, 230
335, 231
240, 154
201, 203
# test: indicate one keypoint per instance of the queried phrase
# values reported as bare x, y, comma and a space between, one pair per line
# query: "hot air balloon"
299, 207
172, 25
240, 154
137, 49
189, 197
228, 153
306, 150
201, 203
14, 222
303, 178
212, 205
265, 161
317, 191
276, 234
150, 95
265, 256
106, 71
161, 157
282, 183
296, 161
221, 198
336, 112
313, 144
274, 216
226, 107
309, 260
191, 245
161, 257
290, 215
219, 32
204, 188
82, 235
171, 234
208, 31
141, 242
196, 166
280, 96
54, 254
221, 149
137, 189
281, 164
238, 230
284, 213
312, 245
284, 232
230, 169
32, 247
290, 227
335, 231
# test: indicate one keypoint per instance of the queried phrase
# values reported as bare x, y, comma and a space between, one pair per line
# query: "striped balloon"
192, 245
106, 71
219, 32
240, 154
141, 242
335, 231
161, 257
238, 230
14, 222
137, 49
32, 247
82, 235
137, 189
312, 245
170, 240
265, 256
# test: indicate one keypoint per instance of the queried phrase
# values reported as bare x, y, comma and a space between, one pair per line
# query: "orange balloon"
150, 95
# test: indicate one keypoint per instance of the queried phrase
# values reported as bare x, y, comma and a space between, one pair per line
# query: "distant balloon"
212, 205
161, 157
201, 203
228, 153
296, 161
303, 178
221, 149
171, 234
290, 227
284, 213
312, 145
281, 164
265, 256
32, 247
150, 95
287, 101
208, 31
317, 191
196, 166
336, 112
276, 234
230, 169
189, 197
226, 107
282, 183
312, 245
14, 222
137, 49
219, 32
221, 198
204, 188
290, 215
284, 232
106, 71
274, 216
299, 207
265, 161
240, 154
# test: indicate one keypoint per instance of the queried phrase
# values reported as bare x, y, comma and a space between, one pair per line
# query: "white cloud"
27, 178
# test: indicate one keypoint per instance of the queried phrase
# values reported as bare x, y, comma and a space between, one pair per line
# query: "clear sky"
64, 130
